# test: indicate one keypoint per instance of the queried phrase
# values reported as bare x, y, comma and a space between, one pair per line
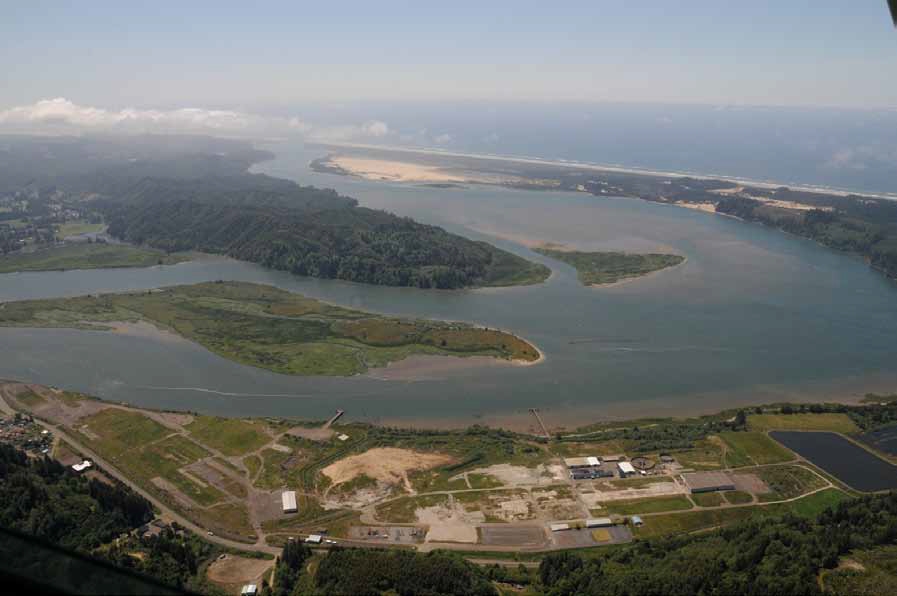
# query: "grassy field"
738, 497
402, 511
840, 423
230, 436
86, 256
651, 505
708, 499
74, 228
690, 521
753, 448
787, 482
118, 431
706, 455
597, 268
270, 328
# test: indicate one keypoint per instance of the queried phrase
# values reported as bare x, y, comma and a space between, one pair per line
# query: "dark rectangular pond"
844, 460
883, 439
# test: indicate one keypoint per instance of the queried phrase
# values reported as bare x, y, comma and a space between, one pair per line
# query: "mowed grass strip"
230, 436
754, 447
650, 505
691, 521
840, 423
119, 430
708, 499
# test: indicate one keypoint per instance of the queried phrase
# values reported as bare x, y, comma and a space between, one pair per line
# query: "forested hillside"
311, 232
866, 227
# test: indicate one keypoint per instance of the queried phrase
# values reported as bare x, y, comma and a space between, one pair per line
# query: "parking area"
586, 537
513, 535
393, 534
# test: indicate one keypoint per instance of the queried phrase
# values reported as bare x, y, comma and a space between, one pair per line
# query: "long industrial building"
289, 501
705, 482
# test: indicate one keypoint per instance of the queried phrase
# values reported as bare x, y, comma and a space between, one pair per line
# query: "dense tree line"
43, 498
779, 556
344, 242
866, 227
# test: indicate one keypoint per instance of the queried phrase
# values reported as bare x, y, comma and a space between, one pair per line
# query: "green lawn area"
706, 455
30, 399
403, 510
738, 497
253, 463
273, 329
118, 431
708, 499
230, 436
165, 459
835, 422
596, 268
82, 255
650, 505
787, 482
690, 521
753, 448
74, 228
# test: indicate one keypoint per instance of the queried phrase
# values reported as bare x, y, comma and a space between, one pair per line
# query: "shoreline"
624, 281
615, 169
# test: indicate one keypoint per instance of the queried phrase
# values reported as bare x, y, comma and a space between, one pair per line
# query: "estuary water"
753, 316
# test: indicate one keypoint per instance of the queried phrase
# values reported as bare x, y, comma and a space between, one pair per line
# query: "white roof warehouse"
289, 501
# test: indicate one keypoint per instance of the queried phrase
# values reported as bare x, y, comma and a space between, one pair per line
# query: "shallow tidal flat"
605, 268
270, 328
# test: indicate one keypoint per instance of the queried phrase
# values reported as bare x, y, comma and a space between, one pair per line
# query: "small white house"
314, 539
289, 501
559, 527
249, 590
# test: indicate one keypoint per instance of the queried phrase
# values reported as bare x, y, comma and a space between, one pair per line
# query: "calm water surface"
753, 316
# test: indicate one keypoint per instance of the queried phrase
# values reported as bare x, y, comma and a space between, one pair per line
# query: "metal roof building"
559, 527
289, 501
599, 522
249, 590
705, 482
625, 468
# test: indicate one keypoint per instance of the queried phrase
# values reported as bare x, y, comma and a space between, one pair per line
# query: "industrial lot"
255, 484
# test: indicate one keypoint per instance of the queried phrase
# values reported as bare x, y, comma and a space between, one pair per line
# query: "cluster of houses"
24, 433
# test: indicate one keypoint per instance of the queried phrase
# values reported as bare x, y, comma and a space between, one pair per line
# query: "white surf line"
769, 184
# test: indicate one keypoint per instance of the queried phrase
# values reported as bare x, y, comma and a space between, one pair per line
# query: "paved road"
167, 511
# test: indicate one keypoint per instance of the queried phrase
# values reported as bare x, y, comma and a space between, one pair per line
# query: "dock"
535, 413
334, 418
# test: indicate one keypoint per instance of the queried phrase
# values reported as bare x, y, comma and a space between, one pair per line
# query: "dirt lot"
312, 434
584, 537
233, 571
750, 483
513, 535
448, 524
384, 464
510, 475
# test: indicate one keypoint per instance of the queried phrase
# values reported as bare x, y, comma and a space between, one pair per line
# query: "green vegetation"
402, 510
85, 255
866, 572
778, 555
77, 227
649, 505
786, 482
707, 499
753, 448
117, 431
271, 328
738, 497
598, 268
835, 422
230, 436
307, 231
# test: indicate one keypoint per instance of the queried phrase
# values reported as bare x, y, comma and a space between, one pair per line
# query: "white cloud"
61, 115
443, 139
61, 112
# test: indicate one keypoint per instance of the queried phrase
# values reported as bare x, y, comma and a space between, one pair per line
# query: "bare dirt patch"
312, 434
513, 535
238, 570
384, 464
749, 483
509, 475
447, 524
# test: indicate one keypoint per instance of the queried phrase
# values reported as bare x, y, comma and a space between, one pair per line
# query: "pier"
535, 413
334, 418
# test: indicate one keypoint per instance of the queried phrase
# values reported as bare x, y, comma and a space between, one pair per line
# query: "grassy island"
86, 256
271, 328
600, 268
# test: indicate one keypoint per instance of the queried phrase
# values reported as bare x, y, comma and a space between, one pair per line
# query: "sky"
253, 56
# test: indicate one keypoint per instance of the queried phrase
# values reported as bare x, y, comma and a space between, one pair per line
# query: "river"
753, 316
